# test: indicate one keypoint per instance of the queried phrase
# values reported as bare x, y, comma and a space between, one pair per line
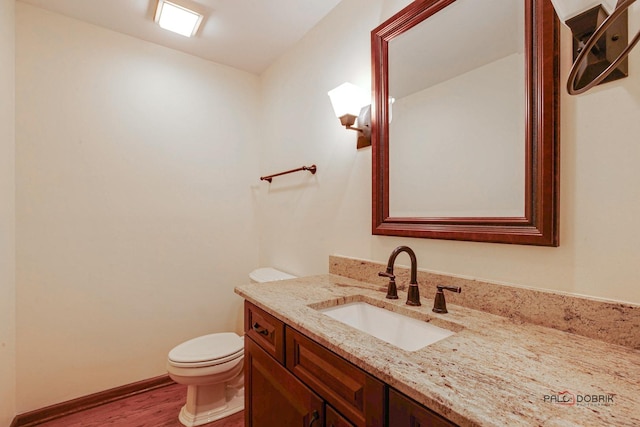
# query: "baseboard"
58, 410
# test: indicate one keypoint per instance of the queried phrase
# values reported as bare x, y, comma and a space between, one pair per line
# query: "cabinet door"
405, 412
336, 420
274, 397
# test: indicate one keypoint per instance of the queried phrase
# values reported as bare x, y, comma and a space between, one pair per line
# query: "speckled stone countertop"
491, 372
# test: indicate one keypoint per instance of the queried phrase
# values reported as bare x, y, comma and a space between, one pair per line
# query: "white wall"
134, 204
305, 218
330, 214
7, 213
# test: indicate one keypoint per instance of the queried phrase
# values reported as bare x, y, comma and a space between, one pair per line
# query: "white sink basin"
402, 331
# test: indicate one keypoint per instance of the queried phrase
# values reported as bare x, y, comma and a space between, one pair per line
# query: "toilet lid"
268, 274
208, 348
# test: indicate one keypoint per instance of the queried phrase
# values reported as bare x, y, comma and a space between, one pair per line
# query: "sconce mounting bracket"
364, 125
606, 49
364, 122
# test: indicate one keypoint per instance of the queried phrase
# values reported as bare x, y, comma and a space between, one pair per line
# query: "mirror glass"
458, 113
464, 121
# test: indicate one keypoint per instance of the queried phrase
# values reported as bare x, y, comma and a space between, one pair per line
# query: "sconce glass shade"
348, 99
567, 9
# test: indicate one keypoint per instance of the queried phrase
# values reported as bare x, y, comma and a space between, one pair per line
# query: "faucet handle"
456, 289
439, 303
392, 290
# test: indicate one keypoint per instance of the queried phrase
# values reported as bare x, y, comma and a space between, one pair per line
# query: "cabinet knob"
259, 329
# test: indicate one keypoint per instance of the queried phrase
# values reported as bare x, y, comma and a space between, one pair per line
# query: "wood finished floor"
156, 408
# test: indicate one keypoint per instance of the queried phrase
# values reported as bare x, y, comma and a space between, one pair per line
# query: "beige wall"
7, 214
134, 204
330, 214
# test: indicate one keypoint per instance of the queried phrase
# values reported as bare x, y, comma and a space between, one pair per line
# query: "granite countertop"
491, 372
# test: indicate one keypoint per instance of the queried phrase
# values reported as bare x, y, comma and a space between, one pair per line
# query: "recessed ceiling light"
178, 19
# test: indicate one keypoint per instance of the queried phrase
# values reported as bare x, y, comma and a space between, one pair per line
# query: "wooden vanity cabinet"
292, 381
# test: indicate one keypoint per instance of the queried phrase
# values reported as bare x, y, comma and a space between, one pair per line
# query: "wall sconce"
350, 103
600, 46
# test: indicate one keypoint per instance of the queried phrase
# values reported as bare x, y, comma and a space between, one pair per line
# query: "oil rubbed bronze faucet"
439, 303
413, 295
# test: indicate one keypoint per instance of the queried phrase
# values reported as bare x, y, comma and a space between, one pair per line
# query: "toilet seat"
207, 350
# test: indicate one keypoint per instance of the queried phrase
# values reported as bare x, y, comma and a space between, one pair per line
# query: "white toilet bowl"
211, 368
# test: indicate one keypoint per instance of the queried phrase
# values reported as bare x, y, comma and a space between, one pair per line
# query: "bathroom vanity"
293, 380
304, 368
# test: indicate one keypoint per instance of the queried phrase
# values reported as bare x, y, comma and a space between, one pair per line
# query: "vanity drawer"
354, 393
265, 330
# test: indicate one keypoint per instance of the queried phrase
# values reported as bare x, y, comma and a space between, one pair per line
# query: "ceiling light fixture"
176, 18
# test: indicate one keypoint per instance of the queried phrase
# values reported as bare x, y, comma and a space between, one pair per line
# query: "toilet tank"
268, 274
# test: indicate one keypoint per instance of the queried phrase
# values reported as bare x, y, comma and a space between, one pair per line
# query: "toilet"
211, 366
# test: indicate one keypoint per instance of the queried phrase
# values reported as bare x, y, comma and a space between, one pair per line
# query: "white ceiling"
244, 34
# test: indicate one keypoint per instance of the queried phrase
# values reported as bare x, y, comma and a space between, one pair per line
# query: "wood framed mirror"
530, 215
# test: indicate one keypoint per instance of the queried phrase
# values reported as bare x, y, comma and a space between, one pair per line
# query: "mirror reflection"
457, 120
